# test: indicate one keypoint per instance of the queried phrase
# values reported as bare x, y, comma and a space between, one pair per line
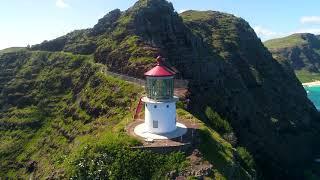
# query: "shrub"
216, 122
246, 159
181, 105
115, 161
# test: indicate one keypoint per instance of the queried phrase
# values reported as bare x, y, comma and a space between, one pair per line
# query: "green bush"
181, 105
246, 158
216, 122
305, 76
115, 161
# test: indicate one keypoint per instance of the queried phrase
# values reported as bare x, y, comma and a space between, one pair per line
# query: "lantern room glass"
159, 88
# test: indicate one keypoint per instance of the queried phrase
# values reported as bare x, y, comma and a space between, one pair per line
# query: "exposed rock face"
302, 51
147, 29
77, 42
106, 23
251, 90
199, 168
229, 70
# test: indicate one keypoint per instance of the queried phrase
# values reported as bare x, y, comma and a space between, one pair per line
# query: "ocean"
314, 95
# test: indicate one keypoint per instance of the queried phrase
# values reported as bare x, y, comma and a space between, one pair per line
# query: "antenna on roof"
159, 60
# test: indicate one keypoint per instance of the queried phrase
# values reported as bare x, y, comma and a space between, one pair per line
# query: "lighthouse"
160, 105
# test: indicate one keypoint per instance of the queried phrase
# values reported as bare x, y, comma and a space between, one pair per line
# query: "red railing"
138, 109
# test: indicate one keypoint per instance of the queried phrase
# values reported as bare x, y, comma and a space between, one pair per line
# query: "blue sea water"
314, 95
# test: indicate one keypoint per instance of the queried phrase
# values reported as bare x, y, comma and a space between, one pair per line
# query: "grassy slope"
305, 76
197, 15
61, 112
11, 49
290, 41
68, 99
221, 153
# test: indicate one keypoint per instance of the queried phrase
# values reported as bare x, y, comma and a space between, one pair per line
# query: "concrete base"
141, 131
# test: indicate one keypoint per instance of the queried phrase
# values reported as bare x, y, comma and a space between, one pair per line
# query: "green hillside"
54, 105
61, 116
286, 42
12, 49
301, 51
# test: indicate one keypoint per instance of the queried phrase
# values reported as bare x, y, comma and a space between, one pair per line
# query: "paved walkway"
141, 131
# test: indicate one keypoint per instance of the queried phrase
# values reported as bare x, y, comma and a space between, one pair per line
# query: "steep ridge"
257, 102
229, 71
301, 51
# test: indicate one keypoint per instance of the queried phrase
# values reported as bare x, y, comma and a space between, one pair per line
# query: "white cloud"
61, 4
265, 33
310, 20
182, 10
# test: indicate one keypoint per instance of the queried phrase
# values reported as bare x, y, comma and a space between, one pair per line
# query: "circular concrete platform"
140, 130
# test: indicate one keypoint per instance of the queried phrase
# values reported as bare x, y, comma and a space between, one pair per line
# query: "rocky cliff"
252, 91
229, 71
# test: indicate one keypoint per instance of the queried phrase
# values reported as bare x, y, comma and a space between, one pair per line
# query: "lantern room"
159, 82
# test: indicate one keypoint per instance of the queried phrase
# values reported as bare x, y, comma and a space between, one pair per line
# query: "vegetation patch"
217, 122
220, 153
65, 97
247, 160
12, 49
290, 41
306, 76
113, 159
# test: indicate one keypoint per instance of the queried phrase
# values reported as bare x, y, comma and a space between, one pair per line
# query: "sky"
24, 22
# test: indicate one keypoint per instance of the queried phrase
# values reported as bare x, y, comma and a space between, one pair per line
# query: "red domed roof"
160, 70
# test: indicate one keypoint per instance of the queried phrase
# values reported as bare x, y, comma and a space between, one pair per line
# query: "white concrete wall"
164, 113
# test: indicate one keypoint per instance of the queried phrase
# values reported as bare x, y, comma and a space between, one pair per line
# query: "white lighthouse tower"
160, 105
